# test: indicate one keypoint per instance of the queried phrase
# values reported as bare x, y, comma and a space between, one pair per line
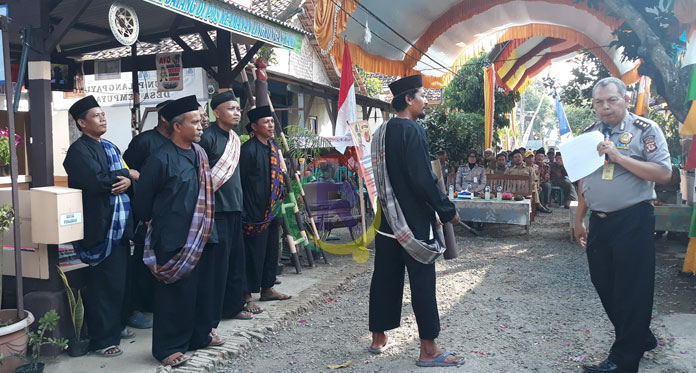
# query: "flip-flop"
215, 340
139, 321
440, 361
102, 352
380, 350
241, 316
175, 359
127, 334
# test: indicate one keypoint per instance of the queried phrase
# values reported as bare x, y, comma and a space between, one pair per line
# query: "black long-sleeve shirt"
167, 194
142, 146
412, 178
88, 170
229, 197
255, 174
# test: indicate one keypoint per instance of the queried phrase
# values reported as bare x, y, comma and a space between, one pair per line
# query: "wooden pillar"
40, 129
224, 64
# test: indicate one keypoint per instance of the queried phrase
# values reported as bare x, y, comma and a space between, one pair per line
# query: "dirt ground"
508, 303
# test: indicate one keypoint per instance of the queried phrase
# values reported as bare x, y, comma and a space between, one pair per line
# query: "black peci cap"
222, 97
406, 84
259, 112
82, 105
180, 106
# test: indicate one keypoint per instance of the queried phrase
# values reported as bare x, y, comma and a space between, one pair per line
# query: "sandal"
215, 340
104, 352
440, 361
175, 359
127, 334
380, 350
139, 321
273, 295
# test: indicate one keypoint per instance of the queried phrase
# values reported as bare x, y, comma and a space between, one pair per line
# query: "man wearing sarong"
408, 236
141, 281
175, 194
263, 190
222, 144
94, 165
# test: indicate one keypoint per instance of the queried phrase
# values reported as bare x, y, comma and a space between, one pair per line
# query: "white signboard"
169, 72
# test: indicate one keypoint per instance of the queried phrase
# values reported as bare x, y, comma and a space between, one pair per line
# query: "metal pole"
13, 166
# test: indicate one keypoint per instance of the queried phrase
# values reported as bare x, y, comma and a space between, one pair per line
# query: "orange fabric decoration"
467, 9
325, 11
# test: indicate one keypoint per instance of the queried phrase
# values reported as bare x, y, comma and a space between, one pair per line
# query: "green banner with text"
227, 17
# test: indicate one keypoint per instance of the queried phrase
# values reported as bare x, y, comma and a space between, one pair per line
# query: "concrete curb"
213, 358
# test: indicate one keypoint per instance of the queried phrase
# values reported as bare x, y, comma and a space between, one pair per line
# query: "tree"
650, 32
578, 91
464, 95
455, 132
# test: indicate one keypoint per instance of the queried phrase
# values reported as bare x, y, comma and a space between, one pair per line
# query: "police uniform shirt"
638, 138
475, 176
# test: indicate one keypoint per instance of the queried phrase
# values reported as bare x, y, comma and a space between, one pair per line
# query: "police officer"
471, 173
620, 245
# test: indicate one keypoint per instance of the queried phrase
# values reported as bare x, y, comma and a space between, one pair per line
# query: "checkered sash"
419, 250
181, 265
120, 205
225, 166
276, 198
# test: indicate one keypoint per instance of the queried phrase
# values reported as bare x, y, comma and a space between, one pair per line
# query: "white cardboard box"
56, 215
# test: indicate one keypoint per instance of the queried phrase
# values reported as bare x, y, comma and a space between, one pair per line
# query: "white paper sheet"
580, 156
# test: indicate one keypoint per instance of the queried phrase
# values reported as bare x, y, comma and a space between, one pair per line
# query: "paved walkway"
307, 289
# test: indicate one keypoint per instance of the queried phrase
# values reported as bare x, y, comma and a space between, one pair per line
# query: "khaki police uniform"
621, 243
475, 176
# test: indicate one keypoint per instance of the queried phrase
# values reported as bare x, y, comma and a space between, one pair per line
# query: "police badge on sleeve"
650, 145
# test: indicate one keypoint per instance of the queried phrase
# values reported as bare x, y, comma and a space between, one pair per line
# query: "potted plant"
5, 150
47, 323
77, 346
13, 336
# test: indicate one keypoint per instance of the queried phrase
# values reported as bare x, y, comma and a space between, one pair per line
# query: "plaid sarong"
421, 251
181, 265
225, 166
275, 200
120, 204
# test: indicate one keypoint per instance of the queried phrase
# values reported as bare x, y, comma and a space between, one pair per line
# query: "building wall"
305, 65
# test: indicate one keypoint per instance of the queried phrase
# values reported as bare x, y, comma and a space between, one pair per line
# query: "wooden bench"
515, 184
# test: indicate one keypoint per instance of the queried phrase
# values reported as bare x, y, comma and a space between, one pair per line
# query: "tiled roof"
259, 8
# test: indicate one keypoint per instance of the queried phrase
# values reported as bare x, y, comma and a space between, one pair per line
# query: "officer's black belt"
604, 215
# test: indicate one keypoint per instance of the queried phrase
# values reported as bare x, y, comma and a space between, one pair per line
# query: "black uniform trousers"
183, 311
621, 256
235, 284
142, 282
261, 254
387, 288
104, 301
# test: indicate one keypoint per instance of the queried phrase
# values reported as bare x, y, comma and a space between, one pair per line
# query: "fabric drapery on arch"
330, 20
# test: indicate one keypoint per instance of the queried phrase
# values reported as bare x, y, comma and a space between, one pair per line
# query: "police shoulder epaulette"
588, 128
642, 123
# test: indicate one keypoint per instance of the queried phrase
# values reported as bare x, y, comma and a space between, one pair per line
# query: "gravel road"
508, 304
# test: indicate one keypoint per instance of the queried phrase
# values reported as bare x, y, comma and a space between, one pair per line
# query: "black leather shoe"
543, 209
605, 366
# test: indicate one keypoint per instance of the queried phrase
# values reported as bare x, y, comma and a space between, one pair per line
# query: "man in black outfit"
415, 188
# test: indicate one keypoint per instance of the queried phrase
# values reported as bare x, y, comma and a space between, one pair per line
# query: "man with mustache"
94, 166
175, 194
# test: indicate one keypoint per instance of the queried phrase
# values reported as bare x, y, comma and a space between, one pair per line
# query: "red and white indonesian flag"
347, 109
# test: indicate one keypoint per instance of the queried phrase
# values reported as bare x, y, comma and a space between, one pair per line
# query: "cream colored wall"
61, 141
